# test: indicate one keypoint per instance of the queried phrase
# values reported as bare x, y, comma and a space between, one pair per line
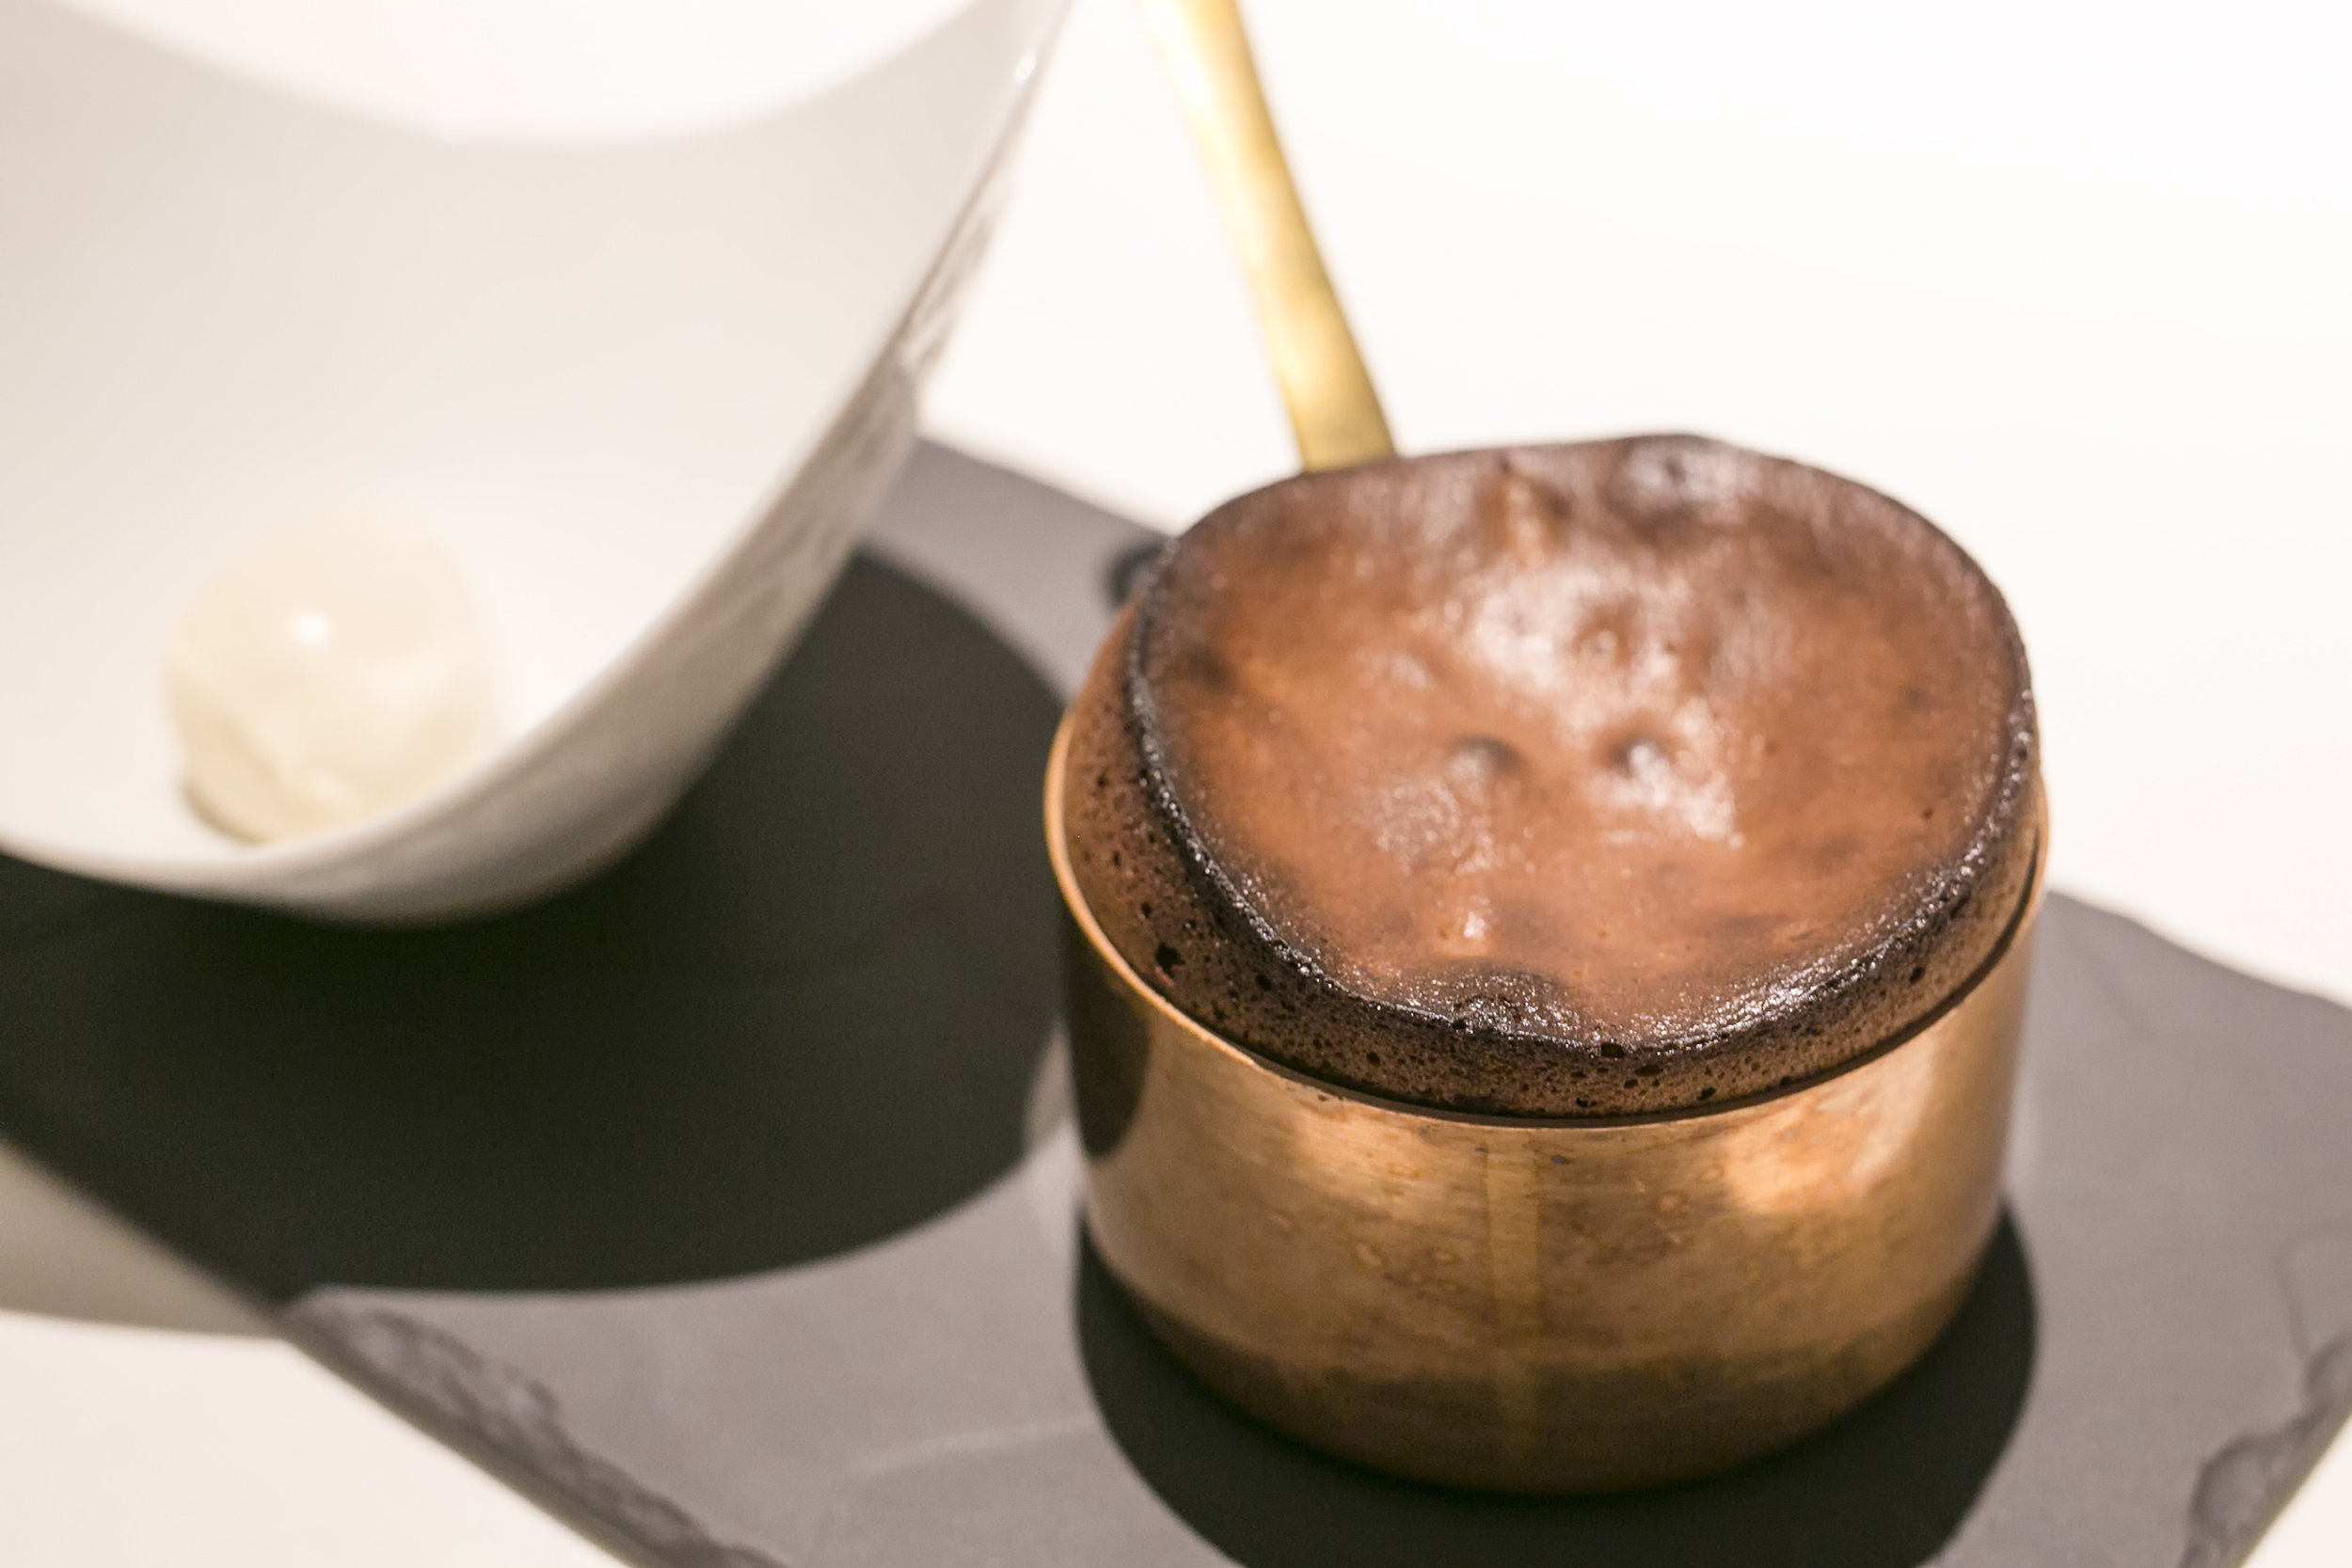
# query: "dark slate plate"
728, 1204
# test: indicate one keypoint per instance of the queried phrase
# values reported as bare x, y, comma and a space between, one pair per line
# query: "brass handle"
1334, 411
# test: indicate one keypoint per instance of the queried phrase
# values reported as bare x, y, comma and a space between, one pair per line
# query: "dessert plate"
648, 377
728, 1204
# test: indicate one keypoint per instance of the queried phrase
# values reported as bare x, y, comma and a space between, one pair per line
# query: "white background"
2070, 276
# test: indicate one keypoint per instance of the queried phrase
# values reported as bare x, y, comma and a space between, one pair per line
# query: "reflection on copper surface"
1529, 1304
1832, 1145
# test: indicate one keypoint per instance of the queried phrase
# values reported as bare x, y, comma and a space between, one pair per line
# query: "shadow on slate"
1886, 1487
803, 1017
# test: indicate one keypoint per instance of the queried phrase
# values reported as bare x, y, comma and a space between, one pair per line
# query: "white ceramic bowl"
649, 385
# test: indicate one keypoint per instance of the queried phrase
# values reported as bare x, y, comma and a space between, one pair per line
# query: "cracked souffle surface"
1588, 780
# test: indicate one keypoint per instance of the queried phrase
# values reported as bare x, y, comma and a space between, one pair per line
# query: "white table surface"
2068, 277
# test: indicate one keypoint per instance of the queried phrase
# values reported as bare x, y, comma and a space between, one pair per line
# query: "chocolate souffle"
1613, 778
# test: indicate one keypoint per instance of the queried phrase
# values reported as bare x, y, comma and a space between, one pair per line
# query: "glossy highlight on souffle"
1583, 780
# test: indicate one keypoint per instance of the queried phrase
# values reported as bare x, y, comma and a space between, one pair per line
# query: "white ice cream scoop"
338, 671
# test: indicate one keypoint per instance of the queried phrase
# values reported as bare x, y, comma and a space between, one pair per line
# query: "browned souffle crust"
1603, 779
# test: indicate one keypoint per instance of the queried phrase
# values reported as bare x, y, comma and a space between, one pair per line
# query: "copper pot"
1540, 1305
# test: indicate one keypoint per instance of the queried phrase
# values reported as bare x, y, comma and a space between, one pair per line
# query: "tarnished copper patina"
1540, 1305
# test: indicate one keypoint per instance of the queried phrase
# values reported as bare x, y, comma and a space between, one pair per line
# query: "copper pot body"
1538, 1305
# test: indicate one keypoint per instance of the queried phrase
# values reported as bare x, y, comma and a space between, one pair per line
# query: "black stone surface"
727, 1205
691, 1067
